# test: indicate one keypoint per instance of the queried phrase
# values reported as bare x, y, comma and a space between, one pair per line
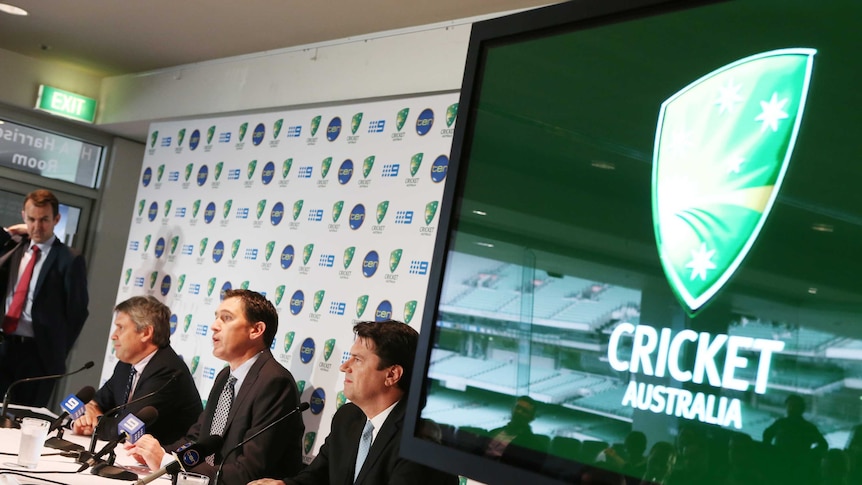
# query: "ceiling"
110, 37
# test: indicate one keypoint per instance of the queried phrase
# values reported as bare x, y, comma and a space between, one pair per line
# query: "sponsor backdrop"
331, 212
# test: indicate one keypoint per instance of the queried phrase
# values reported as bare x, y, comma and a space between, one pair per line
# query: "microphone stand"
302, 407
6, 421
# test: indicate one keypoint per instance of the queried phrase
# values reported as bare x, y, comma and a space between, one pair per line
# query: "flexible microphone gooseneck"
6, 421
147, 415
117, 409
302, 407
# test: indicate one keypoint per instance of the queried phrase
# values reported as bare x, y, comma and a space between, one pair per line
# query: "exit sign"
66, 104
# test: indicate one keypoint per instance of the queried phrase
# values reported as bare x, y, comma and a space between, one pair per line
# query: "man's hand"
147, 450
266, 481
18, 230
86, 424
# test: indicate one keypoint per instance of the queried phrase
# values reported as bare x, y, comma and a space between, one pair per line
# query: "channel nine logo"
357, 216
203, 173
376, 126
424, 122
370, 264
287, 256
268, 173
345, 171
334, 129
297, 300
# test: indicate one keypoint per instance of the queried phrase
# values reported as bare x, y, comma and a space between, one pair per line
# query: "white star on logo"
728, 97
680, 142
733, 163
700, 262
772, 112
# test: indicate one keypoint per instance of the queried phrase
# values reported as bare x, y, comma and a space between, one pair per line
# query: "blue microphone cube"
73, 406
132, 427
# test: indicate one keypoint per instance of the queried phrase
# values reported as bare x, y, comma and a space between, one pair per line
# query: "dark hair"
43, 197
256, 308
394, 343
146, 311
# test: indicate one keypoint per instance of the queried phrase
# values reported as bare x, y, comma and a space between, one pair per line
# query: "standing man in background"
44, 287
147, 364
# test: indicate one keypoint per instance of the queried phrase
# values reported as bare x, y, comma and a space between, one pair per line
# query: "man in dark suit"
44, 287
377, 376
253, 392
147, 363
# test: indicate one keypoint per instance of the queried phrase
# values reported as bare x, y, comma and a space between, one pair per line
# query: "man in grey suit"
248, 395
365, 439
44, 287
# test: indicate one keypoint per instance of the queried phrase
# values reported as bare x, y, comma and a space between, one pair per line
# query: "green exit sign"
66, 104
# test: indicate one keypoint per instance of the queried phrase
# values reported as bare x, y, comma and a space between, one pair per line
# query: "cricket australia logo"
723, 145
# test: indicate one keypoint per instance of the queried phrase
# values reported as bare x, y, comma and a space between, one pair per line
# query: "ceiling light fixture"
12, 9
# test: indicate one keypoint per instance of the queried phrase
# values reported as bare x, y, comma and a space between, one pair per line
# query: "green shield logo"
723, 145
168, 204
430, 211
409, 310
324, 167
153, 277
210, 133
315, 124
288, 341
188, 171
348, 256
147, 240
285, 167
297, 209
244, 285
251, 166
153, 137
381, 210
261, 205
415, 162
226, 208
279, 294
367, 165
361, 303
306, 253
141, 205
267, 252
451, 114
276, 128
175, 242
336, 210
340, 399
308, 441
401, 118
318, 299
128, 275
218, 168
196, 207
210, 286
203, 246
160, 172
187, 322
234, 248
180, 282
300, 386
394, 259
242, 129
355, 122
196, 360
181, 135
328, 347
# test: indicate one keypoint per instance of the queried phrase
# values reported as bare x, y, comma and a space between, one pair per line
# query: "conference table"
58, 469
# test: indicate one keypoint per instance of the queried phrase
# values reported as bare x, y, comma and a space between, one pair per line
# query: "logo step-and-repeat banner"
331, 212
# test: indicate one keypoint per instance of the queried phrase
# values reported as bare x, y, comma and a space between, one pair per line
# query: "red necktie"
10, 323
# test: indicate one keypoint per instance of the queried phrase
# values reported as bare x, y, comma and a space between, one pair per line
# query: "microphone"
117, 409
6, 421
302, 407
74, 407
187, 456
131, 428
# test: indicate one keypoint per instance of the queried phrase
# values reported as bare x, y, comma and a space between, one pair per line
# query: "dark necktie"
19, 298
128, 393
222, 409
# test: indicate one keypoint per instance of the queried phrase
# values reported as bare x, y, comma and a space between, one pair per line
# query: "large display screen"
651, 267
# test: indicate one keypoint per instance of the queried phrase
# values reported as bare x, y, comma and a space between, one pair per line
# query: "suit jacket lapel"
242, 394
390, 429
52, 256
